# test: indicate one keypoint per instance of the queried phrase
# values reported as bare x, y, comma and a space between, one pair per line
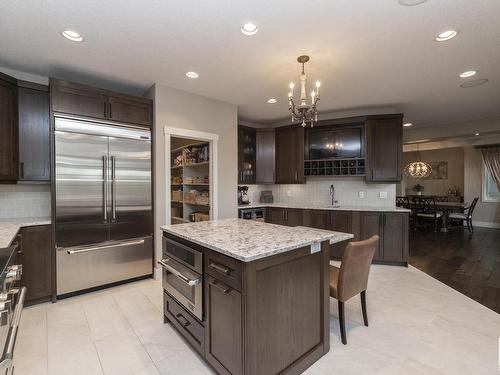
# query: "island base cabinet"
36, 259
223, 316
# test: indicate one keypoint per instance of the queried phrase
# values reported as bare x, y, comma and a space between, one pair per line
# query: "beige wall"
180, 109
454, 157
486, 213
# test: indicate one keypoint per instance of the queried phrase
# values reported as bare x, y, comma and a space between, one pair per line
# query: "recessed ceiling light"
407, 124
446, 35
192, 75
249, 29
473, 83
468, 73
410, 3
72, 35
476, 134
272, 101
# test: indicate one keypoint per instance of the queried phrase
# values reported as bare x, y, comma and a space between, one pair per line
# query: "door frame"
213, 140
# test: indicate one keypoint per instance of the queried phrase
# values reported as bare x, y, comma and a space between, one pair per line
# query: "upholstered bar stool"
351, 278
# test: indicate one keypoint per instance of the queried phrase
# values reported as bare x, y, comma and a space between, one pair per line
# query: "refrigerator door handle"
105, 188
113, 189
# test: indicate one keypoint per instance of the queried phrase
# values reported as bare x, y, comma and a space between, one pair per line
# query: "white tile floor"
417, 326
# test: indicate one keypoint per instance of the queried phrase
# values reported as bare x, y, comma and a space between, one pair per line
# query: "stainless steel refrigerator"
103, 220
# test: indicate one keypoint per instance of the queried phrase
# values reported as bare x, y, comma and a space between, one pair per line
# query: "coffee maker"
243, 195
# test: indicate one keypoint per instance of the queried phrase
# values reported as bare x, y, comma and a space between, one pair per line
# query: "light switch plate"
315, 247
288, 193
361, 194
383, 195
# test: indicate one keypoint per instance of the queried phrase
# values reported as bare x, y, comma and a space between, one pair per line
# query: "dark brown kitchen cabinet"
86, 101
77, 101
34, 132
291, 217
224, 336
395, 233
290, 155
8, 129
265, 161
131, 111
274, 215
36, 259
384, 147
340, 221
246, 155
371, 224
319, 219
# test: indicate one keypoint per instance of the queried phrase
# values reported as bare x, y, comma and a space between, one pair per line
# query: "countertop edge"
10, 227
331, 236
326, 208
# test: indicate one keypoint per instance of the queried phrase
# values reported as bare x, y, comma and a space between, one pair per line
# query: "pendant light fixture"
419, 168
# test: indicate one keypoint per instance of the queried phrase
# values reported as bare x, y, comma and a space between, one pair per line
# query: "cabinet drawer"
185, 323
223, 268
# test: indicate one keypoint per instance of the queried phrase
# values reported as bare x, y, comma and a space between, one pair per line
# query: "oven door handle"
8, 351
188, 281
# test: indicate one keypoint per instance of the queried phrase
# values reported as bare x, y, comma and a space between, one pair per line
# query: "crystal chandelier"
418, 169
307, 113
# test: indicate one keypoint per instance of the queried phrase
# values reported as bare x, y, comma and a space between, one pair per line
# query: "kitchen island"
264, 288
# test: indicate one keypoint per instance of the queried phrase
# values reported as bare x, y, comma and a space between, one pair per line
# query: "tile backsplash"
317, 192
24, 201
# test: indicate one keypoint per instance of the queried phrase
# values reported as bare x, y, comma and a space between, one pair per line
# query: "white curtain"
491, 157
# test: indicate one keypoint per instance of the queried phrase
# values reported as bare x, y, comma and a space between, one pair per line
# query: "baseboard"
485, 224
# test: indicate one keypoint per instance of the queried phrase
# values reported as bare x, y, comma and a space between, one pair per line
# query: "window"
490, 189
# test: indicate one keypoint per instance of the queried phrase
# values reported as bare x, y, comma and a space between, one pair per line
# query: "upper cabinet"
266, 156
246, 155
290, 155
80, 100
34, 132
8, 129
384, 147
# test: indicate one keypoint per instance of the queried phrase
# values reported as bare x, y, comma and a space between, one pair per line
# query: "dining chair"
351, 278
426, 210
403, 202
465, 216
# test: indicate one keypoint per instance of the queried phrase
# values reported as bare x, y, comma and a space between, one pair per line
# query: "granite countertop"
9, 227
248, 240
326, 207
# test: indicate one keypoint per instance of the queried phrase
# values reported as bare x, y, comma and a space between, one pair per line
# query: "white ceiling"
367, 53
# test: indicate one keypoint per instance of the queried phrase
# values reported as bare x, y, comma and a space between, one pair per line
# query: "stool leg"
342, 322
363, 307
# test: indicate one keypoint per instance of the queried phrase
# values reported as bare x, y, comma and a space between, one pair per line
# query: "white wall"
180, 109
316, 192
486, 213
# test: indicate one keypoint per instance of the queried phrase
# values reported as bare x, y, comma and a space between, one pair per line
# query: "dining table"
446, 208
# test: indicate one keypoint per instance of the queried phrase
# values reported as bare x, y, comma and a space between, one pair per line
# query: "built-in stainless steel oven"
182, 275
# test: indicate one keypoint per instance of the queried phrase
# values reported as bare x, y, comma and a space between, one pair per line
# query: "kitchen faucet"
334, 203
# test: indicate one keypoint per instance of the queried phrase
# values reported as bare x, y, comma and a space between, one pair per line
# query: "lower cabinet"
291, 217
391, 227
36, 259
371, 224
223, 319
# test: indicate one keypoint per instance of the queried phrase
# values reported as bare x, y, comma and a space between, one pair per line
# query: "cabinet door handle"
110, 111
21, 167
385, 220
296, 176
185, 323
104, 110
222, 287
220, 268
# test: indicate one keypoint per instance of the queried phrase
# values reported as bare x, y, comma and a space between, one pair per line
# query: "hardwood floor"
469, 263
